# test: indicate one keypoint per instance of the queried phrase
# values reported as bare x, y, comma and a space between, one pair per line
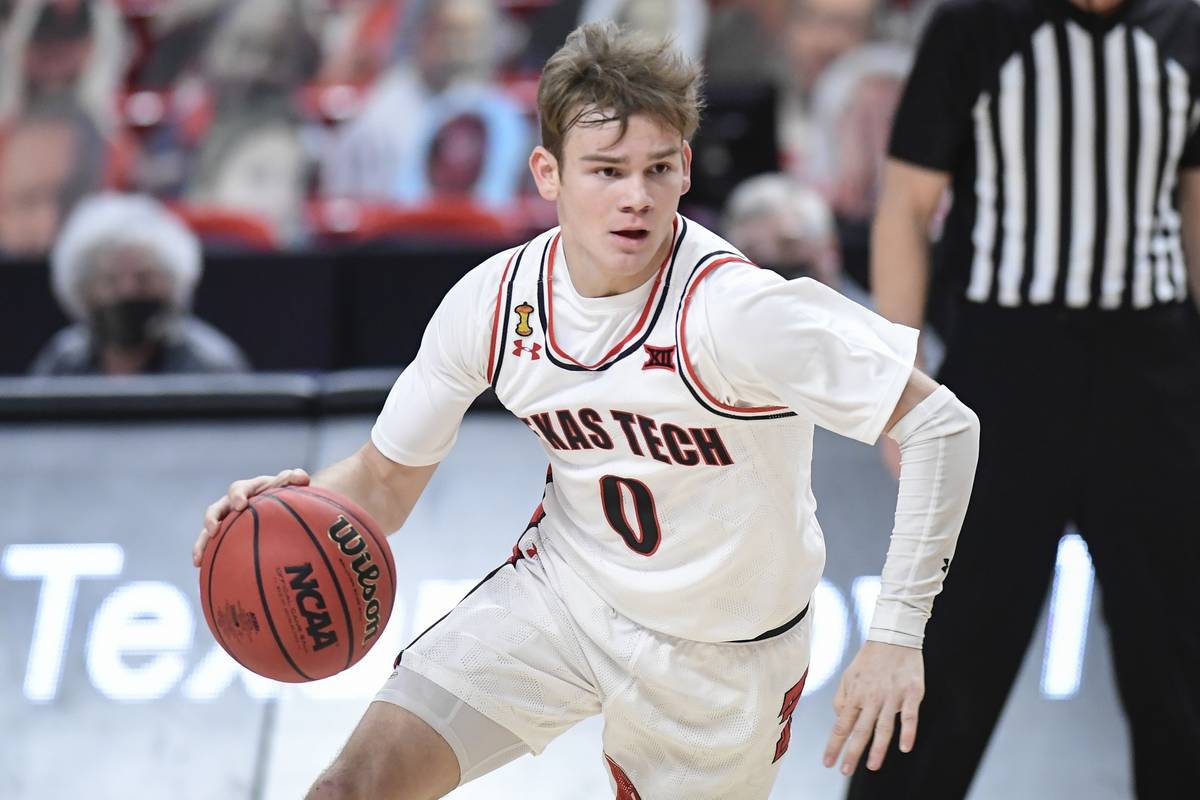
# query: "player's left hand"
883, 680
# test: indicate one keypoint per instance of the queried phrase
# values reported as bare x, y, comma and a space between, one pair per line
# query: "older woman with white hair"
124, 269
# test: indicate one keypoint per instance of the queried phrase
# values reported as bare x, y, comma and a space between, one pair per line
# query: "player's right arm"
386, 490
419, 422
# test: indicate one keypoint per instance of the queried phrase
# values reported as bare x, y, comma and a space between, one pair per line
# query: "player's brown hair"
604, 73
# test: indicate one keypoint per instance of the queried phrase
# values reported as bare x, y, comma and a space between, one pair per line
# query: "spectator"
684, 20
173, 43
260, 53
780, 223
254, 164
256, 58
124, 269
358, 40
455, 157
816, 33
48, 160
69, 51
743, 45
545, 26
455, 54
853, 103
469, 147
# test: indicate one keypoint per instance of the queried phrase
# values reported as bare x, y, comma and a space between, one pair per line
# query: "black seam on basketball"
336, 583
380, 540
503, 321
212, 612
262, 596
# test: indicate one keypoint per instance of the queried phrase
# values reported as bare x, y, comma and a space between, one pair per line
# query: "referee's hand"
882, 681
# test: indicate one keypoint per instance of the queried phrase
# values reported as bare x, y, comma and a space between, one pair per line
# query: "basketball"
299, 585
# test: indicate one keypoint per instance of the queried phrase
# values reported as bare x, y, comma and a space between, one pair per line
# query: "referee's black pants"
1092, 418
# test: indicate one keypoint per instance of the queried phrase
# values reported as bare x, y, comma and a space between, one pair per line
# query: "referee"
1067, 131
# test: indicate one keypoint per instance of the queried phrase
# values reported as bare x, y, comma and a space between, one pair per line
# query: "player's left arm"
939, 446
1189, 206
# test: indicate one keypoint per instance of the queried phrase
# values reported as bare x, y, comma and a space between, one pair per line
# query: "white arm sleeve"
763, 340
939, 446
420, 419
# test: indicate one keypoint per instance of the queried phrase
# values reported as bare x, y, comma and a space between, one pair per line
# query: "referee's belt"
782, 629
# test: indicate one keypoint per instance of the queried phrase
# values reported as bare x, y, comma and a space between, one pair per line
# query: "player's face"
616, 200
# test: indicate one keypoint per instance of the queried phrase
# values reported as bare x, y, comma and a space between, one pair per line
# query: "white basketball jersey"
686, 509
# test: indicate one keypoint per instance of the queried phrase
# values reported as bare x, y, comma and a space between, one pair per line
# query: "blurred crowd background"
314, 126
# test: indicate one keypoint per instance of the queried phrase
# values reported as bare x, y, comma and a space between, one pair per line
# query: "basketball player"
665, 579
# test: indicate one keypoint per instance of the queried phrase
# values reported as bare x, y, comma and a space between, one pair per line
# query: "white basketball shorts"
535, 650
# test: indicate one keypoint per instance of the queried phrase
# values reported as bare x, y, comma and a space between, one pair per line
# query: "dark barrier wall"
349, 308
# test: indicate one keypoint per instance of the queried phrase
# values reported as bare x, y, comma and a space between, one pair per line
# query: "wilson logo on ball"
292, 584
312, 606
351, 543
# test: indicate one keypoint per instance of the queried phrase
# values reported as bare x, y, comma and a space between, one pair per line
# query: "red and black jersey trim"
687, 371
650, 315
499, 329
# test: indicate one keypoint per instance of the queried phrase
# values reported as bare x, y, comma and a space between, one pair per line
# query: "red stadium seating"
223, 227
446, 218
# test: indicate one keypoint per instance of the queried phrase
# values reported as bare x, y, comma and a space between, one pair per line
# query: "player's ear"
544, 167
687, 168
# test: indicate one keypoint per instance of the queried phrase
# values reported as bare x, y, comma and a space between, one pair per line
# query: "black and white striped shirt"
1065, 133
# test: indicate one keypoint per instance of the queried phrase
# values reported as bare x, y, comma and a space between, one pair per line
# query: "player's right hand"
237, 498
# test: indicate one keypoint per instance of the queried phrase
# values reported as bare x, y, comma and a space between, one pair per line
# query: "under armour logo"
945, 565
659, 358
520, 349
